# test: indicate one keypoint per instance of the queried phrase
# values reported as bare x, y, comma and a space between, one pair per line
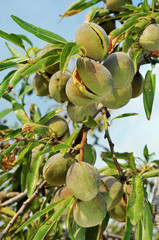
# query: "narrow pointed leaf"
151, 173
5, 177
138, 234
131, 162
5, 82
39, 32
25, 164
78, 7
7, 211
128, 229
39, 214
136, 57
125, 27
49, 115
12, 38
11, 62
17, 76
70, 140
127, 44
35, 128
33, 174
40, 63
50, 222
66, 55
135, 202
147, 226
15, 52
23, 37
90, 122
20, 112
25, 90
23, 151
5, 112
13, 134
149, 92
124, 115
8, 150
69, 228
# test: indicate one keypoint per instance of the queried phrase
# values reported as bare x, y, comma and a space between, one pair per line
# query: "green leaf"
5, 176
69, 229
23, 37
138, 234
40, 213
66, 55
33, 174
35, 128
38, 64
79, 6
23, 151
50, 222
25, 89
111, 163
128, 229
109, 171
136, 200
124, 115
146, 153
145, 7
127, 44
78, 232
25, 168
149, 92
49, 115
42, 64
70, 140
125, 27
124, 155
35, 112
135, 58
5, 112
39, 32
15, 52
147, 226
12, 38
20, 112
131, 162
151, 173
18, 75
11, 62
7, 211
13, 134
4, 83
90, 122
7, 151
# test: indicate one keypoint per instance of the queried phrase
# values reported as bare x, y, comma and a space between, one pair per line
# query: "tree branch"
121, 177
25, 204
14, 199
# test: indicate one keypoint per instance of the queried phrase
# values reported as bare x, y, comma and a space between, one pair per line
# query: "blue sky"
129, 134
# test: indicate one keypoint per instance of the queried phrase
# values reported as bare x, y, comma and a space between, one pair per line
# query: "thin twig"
25, 204
5, 196
17, 198
121, 177
82, 145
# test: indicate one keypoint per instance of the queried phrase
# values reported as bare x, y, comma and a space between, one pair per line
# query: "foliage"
26, 147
